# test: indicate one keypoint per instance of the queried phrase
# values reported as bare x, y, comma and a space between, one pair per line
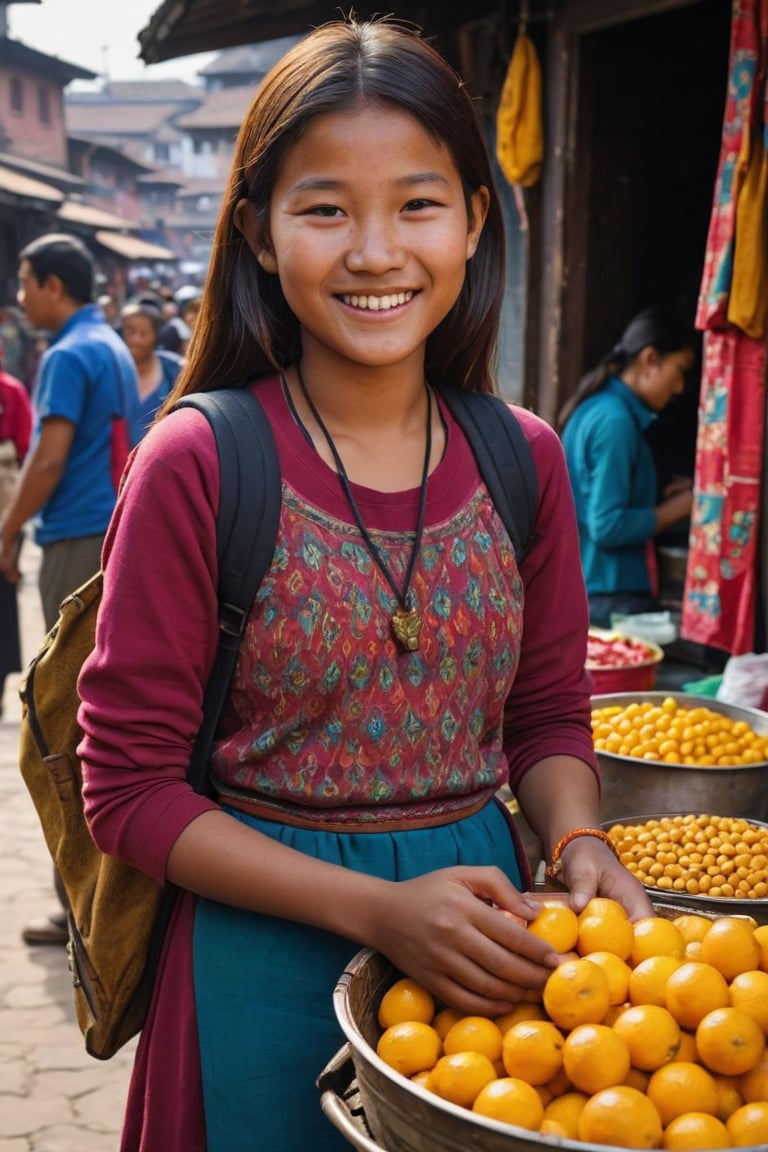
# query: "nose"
375, 245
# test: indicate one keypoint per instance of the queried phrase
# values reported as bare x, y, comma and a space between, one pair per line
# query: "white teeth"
378, 303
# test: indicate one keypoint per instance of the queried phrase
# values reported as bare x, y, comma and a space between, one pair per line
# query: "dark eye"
325, 210
417, 205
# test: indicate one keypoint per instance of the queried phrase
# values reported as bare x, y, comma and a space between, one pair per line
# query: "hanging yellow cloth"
519, 119
748, 301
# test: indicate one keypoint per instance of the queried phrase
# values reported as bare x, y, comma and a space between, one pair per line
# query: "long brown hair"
663, 330
245, 328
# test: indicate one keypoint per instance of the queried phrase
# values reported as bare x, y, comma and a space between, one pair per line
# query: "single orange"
655, 936
511, 1101
604, 927
693, 990
523, 1010
577, 992
595, 1057
729, 1042
406, 1000
445, 1019
421, 1078
692, 926
688, 1053
557, 924
565, 1110
748, 1125
553, 1128
696, 1130
651, 1033
729, 1096
474, 1034
461, 1077
761, 936
617, 971
753, 1085
409, 1047
648, 980
693, 950
731, 947
678, 1088
533, 1051
621, 1116
637, 1079
749, 992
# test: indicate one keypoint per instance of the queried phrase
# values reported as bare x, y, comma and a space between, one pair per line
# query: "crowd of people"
358, 273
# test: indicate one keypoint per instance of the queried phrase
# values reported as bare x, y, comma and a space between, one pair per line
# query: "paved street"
53, 1096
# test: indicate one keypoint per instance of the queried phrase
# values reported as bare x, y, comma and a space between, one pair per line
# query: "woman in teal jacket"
611, 465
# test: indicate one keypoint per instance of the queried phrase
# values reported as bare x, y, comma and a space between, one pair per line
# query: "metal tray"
714, 905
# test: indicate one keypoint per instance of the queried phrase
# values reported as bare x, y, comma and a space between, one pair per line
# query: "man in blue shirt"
86, 405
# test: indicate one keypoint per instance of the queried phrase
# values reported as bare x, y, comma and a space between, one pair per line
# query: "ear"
247, 221
648, 358
479, 204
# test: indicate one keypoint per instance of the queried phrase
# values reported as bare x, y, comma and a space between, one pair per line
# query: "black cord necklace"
406, 620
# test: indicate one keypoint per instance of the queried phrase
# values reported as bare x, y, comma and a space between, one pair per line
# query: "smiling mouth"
377, 303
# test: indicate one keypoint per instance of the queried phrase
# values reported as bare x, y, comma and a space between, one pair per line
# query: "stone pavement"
53, 1096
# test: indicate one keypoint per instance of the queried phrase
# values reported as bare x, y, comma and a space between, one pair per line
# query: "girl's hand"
449, 931
589, 868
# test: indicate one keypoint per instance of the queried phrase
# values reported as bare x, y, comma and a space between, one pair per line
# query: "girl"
357, 267
157, 370
611, 464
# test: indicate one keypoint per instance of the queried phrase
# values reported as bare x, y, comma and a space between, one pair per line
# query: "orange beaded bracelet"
555, 866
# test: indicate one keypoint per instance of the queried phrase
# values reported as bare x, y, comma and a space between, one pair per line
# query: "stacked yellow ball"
670, 733
647, 1035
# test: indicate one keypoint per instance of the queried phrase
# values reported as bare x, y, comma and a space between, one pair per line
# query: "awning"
133, 248
28, 189
74, 212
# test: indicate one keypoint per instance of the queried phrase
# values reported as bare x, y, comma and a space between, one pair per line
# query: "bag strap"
246, 530
503, 457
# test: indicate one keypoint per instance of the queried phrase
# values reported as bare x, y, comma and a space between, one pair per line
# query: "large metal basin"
633, 785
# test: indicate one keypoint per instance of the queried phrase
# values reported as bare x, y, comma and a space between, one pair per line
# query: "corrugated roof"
225, 108
48, 173
152, 91
133, 247
15, 184
108, 120
78, 212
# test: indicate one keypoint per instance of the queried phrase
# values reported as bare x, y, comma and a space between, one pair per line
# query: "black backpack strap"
246, 530
503, 457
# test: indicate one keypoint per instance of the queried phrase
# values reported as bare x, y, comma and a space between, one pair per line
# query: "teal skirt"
264, 986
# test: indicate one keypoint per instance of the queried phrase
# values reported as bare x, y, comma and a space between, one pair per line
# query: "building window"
44, 105
162, 152
17, 95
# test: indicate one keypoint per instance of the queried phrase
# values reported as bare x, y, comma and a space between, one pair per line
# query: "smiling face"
369, 235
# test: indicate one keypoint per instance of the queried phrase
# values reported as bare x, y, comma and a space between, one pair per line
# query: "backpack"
118, 915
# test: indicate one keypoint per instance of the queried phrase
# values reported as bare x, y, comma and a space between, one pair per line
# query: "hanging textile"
722, 576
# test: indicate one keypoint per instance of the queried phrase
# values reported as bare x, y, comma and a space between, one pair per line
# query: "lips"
368, 303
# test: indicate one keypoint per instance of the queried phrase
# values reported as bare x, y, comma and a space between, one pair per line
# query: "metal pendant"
406, 627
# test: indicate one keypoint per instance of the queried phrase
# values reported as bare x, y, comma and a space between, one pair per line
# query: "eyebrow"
321, 184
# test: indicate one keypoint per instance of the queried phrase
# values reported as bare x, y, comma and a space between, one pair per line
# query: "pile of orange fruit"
647, 1035
670, 733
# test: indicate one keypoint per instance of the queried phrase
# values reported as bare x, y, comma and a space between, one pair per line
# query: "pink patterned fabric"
721, 583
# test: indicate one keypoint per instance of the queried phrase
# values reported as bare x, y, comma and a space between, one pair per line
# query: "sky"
101, 35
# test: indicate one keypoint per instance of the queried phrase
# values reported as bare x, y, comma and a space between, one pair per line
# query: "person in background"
111, 310
15, 431
157, 369
611, 466
86, 409
399, 663
174, 334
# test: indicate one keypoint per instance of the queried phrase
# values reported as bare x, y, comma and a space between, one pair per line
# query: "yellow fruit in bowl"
511, 1101
648, 979
696, 1130
693, 990
651, 1033
748, 1125
595, 1057
677, 1087
557, 924
621, 1116
617, 971
731, 947
749, 993
533, 1051
577, 992
604, 927
474, 1034
565, 1111
655, 936
406, 1000
409, 1047
461, 1077
729, 1042
444, 1020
